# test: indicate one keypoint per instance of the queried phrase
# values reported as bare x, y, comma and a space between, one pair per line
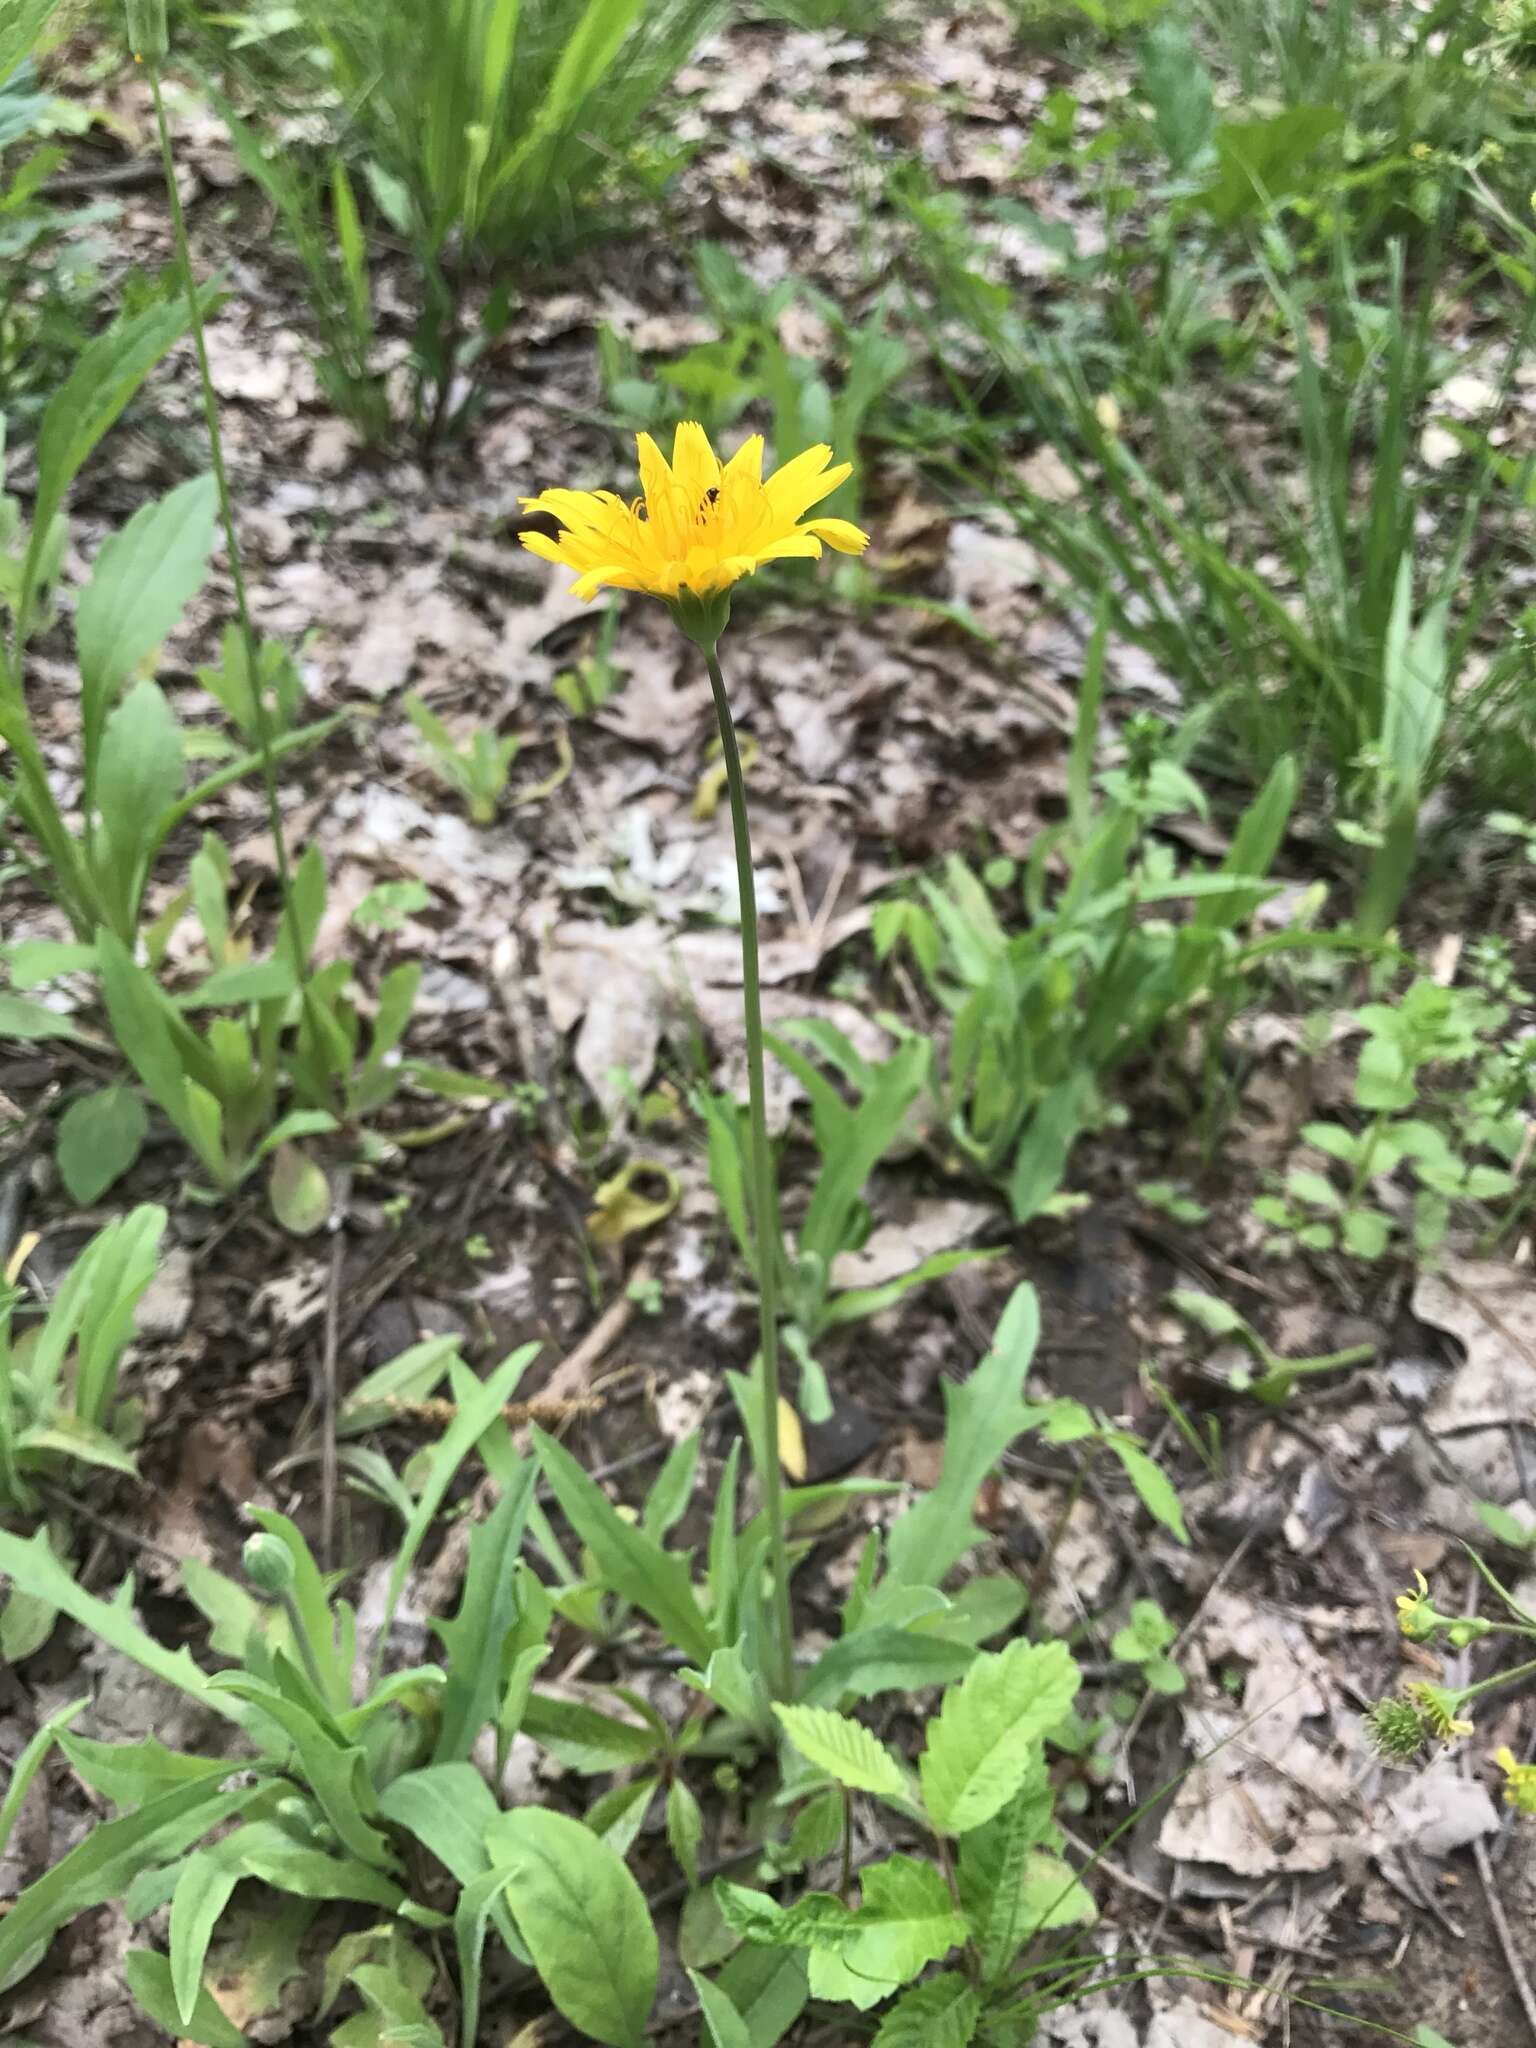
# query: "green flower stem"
765, 1198
1472, 1692
264, 746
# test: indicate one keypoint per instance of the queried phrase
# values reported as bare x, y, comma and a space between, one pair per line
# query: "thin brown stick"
1502, 1929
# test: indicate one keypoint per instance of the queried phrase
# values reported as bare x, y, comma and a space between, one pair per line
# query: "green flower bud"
1460, 1633
147, 35
269, 1565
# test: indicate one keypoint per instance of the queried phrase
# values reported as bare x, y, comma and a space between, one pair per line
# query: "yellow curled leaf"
624, 1208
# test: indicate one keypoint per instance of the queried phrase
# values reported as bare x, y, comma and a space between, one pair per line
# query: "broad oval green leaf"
584, 1920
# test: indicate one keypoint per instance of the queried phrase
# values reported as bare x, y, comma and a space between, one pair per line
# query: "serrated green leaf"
983, 1744
991, 1871
846, 1751
939, 2014
906, 1919
816, 1921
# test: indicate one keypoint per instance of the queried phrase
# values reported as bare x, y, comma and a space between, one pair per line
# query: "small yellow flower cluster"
1416, 1615
1437, 1710
1519, 1782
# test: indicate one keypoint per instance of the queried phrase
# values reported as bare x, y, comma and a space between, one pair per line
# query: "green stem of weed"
765, 1196
264, 744
1473, 1692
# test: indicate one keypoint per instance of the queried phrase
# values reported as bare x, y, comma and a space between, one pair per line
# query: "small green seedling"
477, 770
1277, 1375
1144, 1642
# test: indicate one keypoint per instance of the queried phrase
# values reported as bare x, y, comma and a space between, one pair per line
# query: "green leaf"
1179, 88
105, 1863
203, 1890
907, 1918
30, 1762
993, 1859
685, 1829
846, 1751
1154, 1488
298, 1190
982, 1417
983, 1744
143, 764
21, 23
396, 2016
816, 1920
267, 1852
474, 1418
939, 2014
634, 1566
100, 1136
1263, 160
149, 1979
29, 1021
584, 1920
1051, 1895
475, 1640
35, 1570
877, 1660
142, 581
768, 1988
585, 1740
106, 374
727, 2028
133, 1773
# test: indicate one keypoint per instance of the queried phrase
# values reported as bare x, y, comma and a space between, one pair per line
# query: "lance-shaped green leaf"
633, 1565
142, 581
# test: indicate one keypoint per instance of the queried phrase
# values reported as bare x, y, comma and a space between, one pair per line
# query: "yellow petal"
804, 482
747, 462
800, 543
791, 1441
694, 463
541, 544
841, 534
611, 576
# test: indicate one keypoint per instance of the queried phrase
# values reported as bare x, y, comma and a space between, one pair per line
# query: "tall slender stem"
765, 1198
232, 545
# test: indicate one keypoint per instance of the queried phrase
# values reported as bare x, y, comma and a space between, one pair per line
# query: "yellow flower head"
700, 526
1519, 1781
1437, 1709
1416, 1615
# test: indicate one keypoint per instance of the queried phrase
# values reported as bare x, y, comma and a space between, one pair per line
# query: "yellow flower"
701, 525
1519, 1781
1416, 1616
1437, 1710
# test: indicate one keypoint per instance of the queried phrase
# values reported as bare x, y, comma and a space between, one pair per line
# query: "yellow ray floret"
702, 524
